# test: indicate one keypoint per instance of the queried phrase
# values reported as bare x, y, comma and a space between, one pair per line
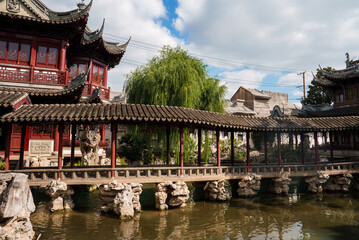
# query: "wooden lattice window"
97, 74
77, 69
47, 56
15, 52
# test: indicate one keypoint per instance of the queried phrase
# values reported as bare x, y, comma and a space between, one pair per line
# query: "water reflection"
266, 217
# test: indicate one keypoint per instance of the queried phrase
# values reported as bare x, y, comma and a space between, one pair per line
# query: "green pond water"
296, 216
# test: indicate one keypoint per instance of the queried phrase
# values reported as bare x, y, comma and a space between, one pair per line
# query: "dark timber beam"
168, 132
266, 148
316, 149
279, 151
302, 147
248, 151
331, 146
73, 138
232, 147
113, 146
8, 133
199, 147
181, 149
60, 149
22, 146
218, 151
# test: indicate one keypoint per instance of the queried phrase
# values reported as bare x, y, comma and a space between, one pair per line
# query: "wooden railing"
100, 175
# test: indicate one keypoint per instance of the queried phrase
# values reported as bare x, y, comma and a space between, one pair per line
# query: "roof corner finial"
347, 61
81, 5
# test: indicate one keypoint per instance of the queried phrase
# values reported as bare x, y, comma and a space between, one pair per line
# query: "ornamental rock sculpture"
89, 148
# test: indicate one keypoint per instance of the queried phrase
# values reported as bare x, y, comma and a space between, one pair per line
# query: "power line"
219, 61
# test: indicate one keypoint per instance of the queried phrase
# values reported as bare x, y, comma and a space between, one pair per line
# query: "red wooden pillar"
218, 151
316, 149
266, 148
32, 60
62, 62
331, 146
22, 146
8, 145
232, 147
56, 138
168, 133
181, 149
60, 147
103, 132
302, 147
27, 138
199, 147
248, 151
279, 151
113, 147
73, 138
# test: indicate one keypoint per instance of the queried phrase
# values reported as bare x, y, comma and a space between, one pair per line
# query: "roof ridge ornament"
81, 5
13, 6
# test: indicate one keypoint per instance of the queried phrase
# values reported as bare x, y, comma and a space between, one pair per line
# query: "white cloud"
297, 93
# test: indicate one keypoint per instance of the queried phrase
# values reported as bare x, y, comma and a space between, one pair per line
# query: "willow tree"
174, 78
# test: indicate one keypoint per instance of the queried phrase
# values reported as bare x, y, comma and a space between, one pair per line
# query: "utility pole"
303, 73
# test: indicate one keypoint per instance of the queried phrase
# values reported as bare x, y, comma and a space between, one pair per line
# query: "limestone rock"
123, 199
249, 185
215, 191
171, 194
339, 183
60, 195
16, 205
280, 185
315, 183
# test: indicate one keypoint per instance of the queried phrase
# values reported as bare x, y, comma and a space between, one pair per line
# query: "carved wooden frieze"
13, 6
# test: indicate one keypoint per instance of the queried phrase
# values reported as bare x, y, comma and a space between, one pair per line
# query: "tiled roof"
337, 111
139, 114
343, 74
10, 98
45, 15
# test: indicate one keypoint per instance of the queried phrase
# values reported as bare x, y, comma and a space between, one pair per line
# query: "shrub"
2, 164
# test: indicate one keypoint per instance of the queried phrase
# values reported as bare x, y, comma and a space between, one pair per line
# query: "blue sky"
256, 44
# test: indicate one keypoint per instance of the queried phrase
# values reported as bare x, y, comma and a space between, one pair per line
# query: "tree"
175, 78
317, 94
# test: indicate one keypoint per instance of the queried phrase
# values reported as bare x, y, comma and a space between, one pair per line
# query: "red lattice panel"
14, 74
48, 77
105, 94
85, 92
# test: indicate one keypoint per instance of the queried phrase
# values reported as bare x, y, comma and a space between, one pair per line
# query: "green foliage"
317, 94
121, 160
2, 163
258, 139
132, 146
239, 155
76, 164
148, 157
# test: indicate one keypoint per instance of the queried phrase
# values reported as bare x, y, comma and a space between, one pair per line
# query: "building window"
352, 94
77, 69
15, 52
47, 56
97, 75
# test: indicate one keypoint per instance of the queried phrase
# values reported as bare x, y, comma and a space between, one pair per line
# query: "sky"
261, 44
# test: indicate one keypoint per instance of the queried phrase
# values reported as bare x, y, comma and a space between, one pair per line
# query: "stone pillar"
315, 183
16, 205
249, 185
123, 199
215, 191
60, 195
171, 194
280, 185
339, 183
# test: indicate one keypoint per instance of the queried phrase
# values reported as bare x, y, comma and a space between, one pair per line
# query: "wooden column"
248, 152
113, 147
218, 151
316, 149
199, 147
266, 148
168, 132
290, 141
279, 151
56, 138
331, 146
8, 133
232, 147
62, 62
302, 147
73, 139
103, 132
60, 148
22, 146
181, 149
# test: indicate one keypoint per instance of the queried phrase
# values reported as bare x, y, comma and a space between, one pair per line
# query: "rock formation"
215, 191
89, 148
171, 194
315, 183
339, 183
60, 195
249, 185
16, 205
123, 199
281, 185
